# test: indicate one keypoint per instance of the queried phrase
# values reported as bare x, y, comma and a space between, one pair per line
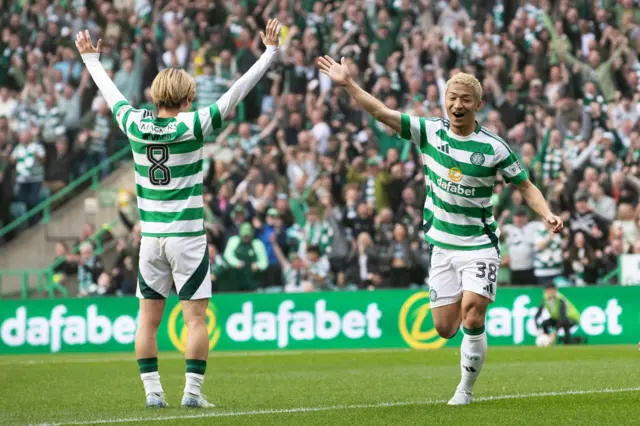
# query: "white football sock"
194, 382
473, 352
151, 382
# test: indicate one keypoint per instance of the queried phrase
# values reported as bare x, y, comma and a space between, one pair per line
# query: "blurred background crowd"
304, 190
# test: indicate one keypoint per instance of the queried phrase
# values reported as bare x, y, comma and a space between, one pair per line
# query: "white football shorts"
168, 260
455, 271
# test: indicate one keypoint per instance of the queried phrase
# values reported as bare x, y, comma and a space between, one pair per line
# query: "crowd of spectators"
303, 189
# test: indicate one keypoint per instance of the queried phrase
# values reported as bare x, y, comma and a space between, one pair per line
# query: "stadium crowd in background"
306, 191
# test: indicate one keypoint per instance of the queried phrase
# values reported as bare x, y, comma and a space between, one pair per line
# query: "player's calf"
197, 352
147, 351
473, 350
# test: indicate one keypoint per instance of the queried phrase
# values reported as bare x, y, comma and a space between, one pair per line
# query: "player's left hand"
554, 222
272, 36
84, 43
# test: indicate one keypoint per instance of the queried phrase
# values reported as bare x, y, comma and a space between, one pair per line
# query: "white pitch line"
336, 407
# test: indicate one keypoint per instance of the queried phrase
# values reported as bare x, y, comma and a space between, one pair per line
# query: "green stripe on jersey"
176, 171
469, 146
455, 229
125, 118
172, 234
466, 168
423, 134
512, 158
169, 194
455, 246
517, 179
405, 126
475, 212
119, 105
197, 127
459, 190
216, 118
168, 217
174, 148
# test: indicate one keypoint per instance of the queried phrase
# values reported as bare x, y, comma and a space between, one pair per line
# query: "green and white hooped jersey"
28, 168
548, 262
168, 154
460, 174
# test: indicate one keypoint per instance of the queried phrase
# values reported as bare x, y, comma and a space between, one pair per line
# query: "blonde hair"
172, 88
466, 80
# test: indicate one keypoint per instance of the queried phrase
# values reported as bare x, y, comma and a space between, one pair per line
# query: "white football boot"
156, 400
460, 398
190, 400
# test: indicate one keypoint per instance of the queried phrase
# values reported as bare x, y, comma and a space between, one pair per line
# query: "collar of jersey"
163, 119
463, 138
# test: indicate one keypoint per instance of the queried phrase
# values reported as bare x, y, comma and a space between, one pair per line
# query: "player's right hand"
338, 72
84, 43
272, 36
555, 223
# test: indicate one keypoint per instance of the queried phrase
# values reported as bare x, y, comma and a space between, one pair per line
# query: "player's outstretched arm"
339, 73
536, 201
91, 58
243, 86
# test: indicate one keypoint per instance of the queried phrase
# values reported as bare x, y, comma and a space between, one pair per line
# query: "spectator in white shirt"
520, 238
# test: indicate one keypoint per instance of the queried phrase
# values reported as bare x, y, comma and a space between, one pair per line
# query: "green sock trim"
473, 331
196, 366
148, 365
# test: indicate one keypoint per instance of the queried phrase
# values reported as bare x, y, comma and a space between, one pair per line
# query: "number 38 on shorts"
455, 271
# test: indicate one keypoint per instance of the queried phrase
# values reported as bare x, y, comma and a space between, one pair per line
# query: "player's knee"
446, 331
473, 316
196, 320
149, 323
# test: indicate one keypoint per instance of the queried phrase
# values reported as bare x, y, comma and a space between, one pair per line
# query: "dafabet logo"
455, 174
178, 329
416, 325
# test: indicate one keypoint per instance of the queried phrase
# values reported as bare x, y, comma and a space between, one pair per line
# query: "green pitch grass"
518, 386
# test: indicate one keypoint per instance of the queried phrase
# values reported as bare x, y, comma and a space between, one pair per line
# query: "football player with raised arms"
461, 159
168, 153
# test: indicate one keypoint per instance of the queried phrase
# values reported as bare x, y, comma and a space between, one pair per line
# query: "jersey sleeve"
415, 129
207, 120
411, 129
121, 111
125, 114
510, 166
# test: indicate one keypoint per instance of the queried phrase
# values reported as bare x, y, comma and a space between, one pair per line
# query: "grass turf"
583, 385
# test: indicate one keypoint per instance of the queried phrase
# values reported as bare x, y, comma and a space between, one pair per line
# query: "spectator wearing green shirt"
246, 257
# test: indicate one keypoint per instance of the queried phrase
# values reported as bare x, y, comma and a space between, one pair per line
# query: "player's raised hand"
338, 72
84, 44
272, 36
555, 223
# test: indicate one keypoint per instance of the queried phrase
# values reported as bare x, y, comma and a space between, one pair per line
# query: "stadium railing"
45, 206
46, 277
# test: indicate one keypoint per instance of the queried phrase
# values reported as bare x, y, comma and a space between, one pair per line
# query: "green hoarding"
333, 320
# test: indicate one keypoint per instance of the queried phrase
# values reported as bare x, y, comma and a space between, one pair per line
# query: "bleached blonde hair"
172, 88
466, 80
